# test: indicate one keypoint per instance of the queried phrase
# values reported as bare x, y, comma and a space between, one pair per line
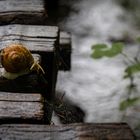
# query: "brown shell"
16, 58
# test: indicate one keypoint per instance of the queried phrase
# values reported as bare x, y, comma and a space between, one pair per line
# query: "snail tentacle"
36, 66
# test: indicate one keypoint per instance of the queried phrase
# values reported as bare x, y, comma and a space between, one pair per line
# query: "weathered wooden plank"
34, 37
38, 39
21, 110
65, 51
118, 131
24, 5
29, 30
33, 12
23, 12
21, 106
65, 39
20, 97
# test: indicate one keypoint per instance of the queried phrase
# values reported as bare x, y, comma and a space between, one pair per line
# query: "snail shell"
17, 60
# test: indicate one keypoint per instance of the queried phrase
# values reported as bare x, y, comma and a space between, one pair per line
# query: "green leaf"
98, 50
130, 70
99, 46
117, 48
128, 103
138, 39
101, 50
97, 54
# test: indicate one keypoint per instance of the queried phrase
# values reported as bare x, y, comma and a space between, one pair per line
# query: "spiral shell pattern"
16, 58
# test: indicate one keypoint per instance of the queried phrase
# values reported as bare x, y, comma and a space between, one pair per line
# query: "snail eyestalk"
35, 66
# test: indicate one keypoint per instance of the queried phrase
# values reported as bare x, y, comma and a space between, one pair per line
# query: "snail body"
17, 60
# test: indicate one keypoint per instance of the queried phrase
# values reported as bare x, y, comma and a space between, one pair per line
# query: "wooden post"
22, 12
39, 39
114, 131
21, 108
42, 40
65, 50
37, 12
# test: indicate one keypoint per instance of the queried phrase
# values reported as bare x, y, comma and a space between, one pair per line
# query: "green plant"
102, 50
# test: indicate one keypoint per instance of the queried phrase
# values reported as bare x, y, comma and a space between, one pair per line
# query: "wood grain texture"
39, 39
65, 51
20, 106
31, 12
43, 40
24, 5
34, 37
65, 40
20, 97
23, 12
119, 131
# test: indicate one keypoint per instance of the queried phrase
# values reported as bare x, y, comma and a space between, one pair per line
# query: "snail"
17, 60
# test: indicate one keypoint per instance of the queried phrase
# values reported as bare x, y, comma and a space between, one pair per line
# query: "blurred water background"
98, 86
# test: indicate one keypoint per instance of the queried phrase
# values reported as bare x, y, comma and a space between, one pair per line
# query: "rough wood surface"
20, 97
65, 51
36, 38
24, 5
21, 106
39, 39
23, 12
31, 12
119, 131
65, 40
